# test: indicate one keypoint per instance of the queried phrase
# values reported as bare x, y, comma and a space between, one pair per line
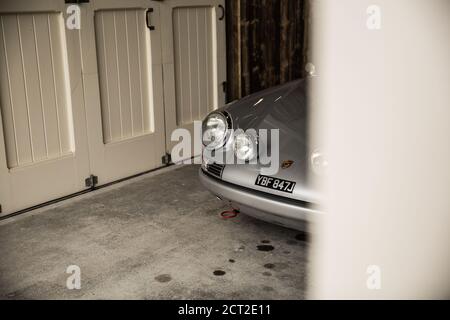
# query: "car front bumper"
283, 211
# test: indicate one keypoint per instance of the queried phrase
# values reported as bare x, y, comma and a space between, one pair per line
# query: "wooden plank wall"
265, 44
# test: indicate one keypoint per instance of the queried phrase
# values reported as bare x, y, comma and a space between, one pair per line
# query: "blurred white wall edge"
384, 101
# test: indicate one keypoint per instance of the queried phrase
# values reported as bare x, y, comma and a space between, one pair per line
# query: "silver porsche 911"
284, 196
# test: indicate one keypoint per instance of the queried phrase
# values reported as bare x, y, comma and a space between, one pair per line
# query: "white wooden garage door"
76, 103
194, 61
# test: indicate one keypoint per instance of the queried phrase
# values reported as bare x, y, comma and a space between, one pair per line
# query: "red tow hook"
228, 214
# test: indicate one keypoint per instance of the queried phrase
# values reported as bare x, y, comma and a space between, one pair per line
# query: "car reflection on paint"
289, 196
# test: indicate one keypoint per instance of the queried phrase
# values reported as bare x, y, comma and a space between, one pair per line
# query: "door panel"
126, 106
193, 54
33, 86
122, 73
193, 62
43, 157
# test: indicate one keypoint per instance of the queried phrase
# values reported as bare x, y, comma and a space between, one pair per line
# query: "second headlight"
245, 146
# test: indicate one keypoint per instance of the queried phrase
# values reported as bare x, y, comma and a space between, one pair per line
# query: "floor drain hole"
219, 272
265, 247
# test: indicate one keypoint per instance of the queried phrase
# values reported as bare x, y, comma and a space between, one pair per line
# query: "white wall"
384, 97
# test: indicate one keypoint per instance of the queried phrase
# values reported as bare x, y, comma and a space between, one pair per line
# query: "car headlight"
245, 146
215, 129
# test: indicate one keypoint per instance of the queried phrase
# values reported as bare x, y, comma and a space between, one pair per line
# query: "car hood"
285, 108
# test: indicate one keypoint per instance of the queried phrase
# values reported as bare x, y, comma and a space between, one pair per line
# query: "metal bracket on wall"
147, 19
91, 181
166, 159
223, 12
225, 90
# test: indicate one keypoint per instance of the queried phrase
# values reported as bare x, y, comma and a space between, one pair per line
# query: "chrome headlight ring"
216, 130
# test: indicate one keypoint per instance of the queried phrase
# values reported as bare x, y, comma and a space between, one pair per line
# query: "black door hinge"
147, 19
222, 16
77, 1
166, 159
91, 181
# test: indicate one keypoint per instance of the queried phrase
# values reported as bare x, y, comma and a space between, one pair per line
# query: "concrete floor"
156, 237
